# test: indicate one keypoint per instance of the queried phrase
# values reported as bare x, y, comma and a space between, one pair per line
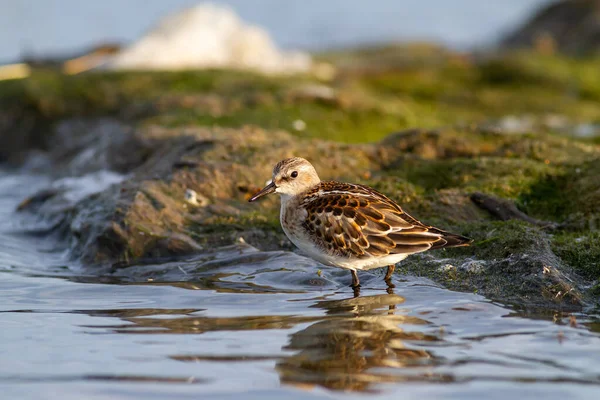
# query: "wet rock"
505, 210
83, 146
238, 267
148, 216
33, 203
208, 36
63, 194
75, 62
510, 262
140, 217
218, 133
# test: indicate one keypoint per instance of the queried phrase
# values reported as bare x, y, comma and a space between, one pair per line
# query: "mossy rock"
379, 91
509, 262
220, 132
572, 196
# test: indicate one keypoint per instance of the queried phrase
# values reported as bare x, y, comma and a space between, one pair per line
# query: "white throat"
285, 198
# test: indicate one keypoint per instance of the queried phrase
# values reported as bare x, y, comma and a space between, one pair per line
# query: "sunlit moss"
377, 91
579, 250
575, 191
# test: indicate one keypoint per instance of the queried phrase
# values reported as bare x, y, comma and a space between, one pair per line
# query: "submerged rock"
208, 36
239, 268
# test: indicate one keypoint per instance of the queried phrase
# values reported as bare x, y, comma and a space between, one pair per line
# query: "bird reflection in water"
362, 343
359, 343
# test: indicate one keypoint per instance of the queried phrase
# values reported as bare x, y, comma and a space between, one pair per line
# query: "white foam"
77, 188
207, 36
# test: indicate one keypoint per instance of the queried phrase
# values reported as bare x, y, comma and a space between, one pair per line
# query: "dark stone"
570, 26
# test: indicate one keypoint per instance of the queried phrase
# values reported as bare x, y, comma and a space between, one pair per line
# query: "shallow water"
266, 325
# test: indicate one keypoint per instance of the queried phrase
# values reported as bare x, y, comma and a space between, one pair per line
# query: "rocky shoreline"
216, 134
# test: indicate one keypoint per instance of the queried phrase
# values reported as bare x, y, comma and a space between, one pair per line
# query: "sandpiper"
347, 225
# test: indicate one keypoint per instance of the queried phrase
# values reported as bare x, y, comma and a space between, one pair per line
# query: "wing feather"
357, 221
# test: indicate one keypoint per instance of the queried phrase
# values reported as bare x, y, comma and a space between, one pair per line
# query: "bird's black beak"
270, 188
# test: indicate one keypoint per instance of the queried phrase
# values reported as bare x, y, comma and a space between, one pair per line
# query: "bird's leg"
355, 281
391, 307
388, 276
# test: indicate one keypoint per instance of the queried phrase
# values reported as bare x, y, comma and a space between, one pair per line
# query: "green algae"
506, 177
365, 102
571, 195
576, 77
498, 239
580, 251
317, 120
56, 95
467, 88
509, 261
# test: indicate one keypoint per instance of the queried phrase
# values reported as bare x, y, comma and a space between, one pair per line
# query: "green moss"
464, 90
572, 77
498, 240
378, 91
572, 192
595, 291
501, 176
507, 261
260, 220
547, 198
55, 95
426, 84
320, 120
581, 251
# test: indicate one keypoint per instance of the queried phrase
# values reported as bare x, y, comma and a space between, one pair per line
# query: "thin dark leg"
390, 271
388, 275
355, 281
391, 307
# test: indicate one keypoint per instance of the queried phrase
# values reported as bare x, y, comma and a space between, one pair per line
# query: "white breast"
292, 216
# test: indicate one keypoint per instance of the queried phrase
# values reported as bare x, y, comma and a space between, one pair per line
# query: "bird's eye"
294, 174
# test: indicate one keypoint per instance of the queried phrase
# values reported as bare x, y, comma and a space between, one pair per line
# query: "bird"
347, 225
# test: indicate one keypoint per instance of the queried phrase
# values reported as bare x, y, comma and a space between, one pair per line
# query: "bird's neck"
295, 199
286, 199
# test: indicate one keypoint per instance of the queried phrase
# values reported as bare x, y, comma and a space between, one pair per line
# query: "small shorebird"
346, 225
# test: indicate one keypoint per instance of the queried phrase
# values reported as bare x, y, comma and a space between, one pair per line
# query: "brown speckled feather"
356, 221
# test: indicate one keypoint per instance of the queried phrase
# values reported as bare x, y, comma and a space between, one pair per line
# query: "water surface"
238, 322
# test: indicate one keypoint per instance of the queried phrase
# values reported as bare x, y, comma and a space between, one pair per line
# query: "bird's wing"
357, 221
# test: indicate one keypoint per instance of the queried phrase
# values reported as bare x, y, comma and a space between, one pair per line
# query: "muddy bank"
190, 148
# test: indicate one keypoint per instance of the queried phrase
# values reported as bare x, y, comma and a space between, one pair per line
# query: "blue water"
235, 322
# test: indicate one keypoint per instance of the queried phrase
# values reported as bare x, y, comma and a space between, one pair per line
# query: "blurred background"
42, 28
387, 65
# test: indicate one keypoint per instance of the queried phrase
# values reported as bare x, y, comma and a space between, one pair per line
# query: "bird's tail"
450, 240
